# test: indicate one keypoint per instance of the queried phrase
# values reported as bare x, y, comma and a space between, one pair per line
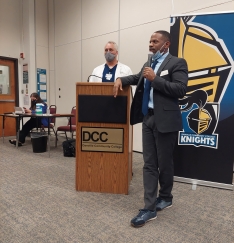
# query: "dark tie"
146, 94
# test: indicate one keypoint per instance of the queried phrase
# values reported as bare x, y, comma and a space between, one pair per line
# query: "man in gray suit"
161, 81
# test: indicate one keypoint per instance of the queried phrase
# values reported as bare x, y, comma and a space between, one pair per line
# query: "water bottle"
48, 111
39, 108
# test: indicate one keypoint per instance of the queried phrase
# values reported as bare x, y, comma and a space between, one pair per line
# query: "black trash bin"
39, 142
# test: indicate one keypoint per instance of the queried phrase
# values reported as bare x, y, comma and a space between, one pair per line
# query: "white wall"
42, 39
67, 37
10, 30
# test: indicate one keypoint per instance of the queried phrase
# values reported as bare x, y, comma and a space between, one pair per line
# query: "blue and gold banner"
205, 149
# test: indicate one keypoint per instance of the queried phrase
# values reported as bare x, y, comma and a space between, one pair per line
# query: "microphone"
149, 62
92, 75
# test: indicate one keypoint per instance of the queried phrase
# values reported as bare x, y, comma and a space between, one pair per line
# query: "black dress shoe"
161, 204
143, 217
14, 142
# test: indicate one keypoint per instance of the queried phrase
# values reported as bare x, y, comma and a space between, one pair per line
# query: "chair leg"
66, 135
56, 139
54, 131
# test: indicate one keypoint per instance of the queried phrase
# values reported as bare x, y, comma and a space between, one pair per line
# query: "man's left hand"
149, 74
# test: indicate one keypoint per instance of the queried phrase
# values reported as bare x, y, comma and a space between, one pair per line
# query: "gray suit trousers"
158, 162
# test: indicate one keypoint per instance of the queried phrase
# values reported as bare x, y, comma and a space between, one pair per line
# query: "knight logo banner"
205, 146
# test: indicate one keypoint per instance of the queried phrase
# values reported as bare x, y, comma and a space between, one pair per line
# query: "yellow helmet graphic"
208, 63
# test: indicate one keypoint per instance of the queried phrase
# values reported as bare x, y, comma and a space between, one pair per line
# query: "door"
8, 92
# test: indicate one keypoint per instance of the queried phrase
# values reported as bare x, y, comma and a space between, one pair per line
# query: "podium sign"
102, 139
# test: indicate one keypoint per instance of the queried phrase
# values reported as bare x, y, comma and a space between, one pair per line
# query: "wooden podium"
103, 138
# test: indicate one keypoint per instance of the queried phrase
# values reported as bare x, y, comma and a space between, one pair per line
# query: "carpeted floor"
39, 203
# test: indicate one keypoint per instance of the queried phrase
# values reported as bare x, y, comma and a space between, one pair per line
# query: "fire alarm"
22, 55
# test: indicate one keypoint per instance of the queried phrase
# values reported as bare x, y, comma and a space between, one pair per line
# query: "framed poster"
42, 83
25, 74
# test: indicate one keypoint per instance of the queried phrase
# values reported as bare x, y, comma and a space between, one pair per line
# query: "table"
10, 115
19, 117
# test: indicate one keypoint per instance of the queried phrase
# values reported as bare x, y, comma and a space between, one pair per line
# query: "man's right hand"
117, 86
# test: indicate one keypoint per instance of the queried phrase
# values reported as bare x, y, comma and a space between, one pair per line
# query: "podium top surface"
96, 83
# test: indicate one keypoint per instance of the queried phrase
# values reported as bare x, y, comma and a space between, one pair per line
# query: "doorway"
9, 91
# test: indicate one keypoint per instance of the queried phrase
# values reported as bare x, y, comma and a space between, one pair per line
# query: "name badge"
163, 73
108, 76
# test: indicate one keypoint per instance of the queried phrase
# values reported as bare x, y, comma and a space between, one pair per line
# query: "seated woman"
33, 122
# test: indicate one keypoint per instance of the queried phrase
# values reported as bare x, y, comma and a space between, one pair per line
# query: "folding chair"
67, 128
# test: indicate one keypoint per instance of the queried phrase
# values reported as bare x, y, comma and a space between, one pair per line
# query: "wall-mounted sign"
102, 139
42, 83
25, 74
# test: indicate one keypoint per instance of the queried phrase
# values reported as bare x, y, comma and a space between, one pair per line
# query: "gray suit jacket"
168, 87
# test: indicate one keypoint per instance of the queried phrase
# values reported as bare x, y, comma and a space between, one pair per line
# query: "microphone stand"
92, 75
